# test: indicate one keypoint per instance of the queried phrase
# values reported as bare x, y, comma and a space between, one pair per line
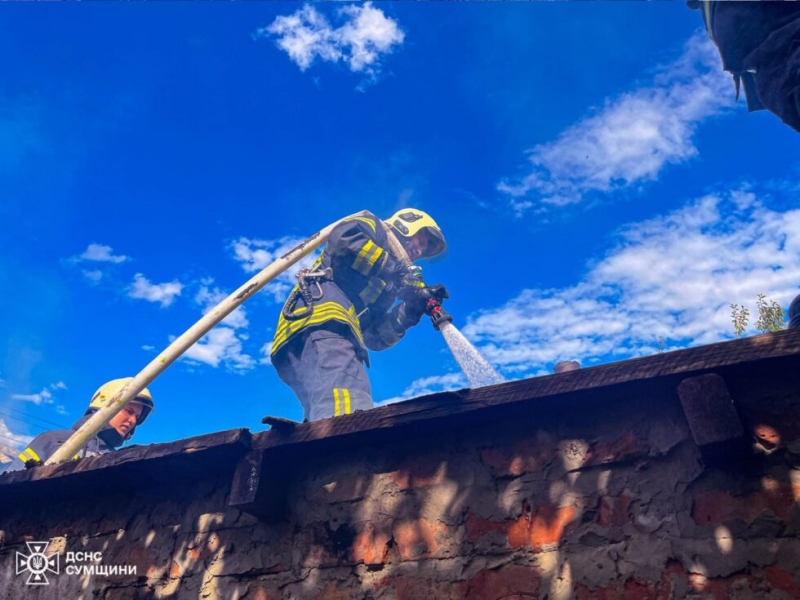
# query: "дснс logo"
37, 563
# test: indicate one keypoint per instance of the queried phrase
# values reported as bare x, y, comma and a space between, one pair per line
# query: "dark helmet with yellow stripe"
417, 228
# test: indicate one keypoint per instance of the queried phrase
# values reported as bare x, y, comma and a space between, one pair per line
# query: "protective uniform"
44, 445
759, 43
345, 306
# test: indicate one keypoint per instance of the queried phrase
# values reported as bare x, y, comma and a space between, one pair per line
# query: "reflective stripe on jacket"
360, 293
44, 445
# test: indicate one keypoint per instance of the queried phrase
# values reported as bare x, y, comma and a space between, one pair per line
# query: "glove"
411, 287
407, 275
415, 303
31, 462
409, 314
438, 291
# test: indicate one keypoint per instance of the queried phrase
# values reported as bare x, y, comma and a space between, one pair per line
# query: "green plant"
770, 316
739, 317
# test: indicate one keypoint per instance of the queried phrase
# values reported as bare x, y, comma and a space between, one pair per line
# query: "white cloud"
221, 346
631, 138
43, 397
6, 435
672, 277
224, 344
163, 293
266, 351
208, 297
148, 348
429, 385
101, 253
93, 275
61, 409
96, 253
254, 255
365, 35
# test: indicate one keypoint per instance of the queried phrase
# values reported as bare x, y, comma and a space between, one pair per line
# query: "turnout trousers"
325, 373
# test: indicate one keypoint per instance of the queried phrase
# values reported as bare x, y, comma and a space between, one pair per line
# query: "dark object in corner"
759, 43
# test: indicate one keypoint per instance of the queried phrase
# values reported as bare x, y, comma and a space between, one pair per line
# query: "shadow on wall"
525, 507
537, 511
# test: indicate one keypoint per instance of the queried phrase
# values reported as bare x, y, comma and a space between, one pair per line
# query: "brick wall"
604, 497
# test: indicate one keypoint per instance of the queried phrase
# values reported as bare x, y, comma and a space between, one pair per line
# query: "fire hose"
181, 344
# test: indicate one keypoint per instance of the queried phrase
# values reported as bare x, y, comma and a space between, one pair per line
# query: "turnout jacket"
358, 297
44, 445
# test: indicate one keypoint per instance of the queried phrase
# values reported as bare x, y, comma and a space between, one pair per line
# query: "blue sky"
597, 182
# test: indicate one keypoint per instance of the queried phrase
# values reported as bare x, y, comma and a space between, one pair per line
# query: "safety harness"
304, 291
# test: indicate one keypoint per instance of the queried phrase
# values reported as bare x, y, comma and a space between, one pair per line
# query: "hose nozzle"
438, 315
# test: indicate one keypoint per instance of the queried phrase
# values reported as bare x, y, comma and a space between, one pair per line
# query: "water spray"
477, 369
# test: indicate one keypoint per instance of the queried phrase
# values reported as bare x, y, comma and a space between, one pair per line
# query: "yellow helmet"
110, 389
411, 223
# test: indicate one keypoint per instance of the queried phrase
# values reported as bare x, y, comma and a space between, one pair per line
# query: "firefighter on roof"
346, 304
119, 430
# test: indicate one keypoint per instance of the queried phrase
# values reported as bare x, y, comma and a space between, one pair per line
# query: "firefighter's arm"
43, 447
35, 454
388, 329
353, 245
